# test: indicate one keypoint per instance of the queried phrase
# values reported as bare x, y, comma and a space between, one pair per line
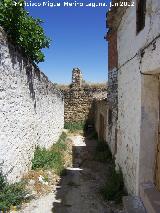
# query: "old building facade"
135, 31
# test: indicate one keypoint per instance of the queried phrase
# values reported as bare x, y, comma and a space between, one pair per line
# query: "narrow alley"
79, 189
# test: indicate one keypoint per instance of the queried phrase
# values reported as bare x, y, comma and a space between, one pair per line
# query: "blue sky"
77, 35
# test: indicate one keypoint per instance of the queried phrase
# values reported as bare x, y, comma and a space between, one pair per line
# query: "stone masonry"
79, 96
31, 110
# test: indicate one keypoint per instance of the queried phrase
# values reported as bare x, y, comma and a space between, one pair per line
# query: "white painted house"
137, 30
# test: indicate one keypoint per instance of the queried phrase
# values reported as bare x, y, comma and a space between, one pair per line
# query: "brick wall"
112, 50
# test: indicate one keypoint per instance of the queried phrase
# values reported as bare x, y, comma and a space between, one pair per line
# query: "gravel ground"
78, 190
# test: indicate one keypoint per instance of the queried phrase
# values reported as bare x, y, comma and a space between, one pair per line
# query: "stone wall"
78, 99
31, 110
79, 105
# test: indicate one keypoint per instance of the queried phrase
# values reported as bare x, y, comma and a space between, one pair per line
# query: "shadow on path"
78, 190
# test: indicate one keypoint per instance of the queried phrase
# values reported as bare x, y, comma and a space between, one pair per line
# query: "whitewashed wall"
31, 111
138, 95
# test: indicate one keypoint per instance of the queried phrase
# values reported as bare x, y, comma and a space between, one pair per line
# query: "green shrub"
11, 194
74, 126
2, 181
51, 158
23, 29
114, 187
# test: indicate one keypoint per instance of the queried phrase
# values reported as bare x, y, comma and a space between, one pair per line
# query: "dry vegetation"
48, 166
85, 84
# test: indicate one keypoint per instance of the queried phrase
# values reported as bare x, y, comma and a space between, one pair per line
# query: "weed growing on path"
52, 158
114, 187
11, 195
74, 126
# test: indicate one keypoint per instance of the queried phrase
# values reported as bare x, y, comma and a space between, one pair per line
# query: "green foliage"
23, 29
103, 153
52, 158
2, 181
114, 187
11, 194
74, 126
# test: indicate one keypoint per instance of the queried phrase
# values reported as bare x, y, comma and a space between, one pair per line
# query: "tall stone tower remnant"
76, 78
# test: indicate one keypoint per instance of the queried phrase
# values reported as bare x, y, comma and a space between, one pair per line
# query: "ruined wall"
76, 78
101, 110
79, 105
31, 110
79, 98
138, 96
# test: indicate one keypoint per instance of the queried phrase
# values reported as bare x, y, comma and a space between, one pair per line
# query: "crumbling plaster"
138, 55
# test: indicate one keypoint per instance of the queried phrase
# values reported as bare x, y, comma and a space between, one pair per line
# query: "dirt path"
78, 190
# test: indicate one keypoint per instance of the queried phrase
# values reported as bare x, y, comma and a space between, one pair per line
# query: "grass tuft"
114, 187
74, 126
11, 195
51, 158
